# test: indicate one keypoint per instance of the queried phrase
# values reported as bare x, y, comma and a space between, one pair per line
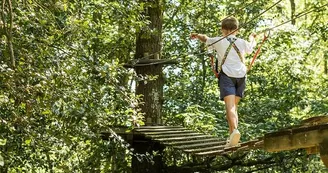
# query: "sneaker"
234, 137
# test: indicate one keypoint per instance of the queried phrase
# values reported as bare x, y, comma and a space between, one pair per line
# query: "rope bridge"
192, 142
311, 134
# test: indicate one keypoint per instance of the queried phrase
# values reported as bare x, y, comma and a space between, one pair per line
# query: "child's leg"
237, 99
231, 102
231, 110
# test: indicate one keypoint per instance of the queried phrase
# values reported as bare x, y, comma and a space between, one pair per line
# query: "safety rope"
246, 23
152, 54
265, 37
305, 12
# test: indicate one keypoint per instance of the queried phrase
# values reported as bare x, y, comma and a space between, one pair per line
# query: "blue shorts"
231, 86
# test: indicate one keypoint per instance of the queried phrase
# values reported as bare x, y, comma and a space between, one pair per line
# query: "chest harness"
217, 68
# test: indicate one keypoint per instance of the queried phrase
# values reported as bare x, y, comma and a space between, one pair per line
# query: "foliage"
68, 83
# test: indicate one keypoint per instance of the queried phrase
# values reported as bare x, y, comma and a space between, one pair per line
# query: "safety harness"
216, 68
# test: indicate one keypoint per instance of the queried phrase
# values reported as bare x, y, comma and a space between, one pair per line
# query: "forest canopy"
63, 79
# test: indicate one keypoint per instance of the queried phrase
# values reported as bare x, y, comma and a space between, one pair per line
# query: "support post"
324, 151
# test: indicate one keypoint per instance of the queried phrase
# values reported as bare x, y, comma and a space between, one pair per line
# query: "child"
230, 51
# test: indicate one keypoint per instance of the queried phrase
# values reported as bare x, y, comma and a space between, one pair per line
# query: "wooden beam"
304, 137
196, 141
201, 145
168, 132
315, 120
173, 135
210, 153
184, 138
324, 151
312, 150
159, 129
205, 149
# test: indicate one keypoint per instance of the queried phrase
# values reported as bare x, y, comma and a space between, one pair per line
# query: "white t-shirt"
232, 66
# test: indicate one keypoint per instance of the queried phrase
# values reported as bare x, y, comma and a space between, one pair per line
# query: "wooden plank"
167, 132
257, 143
210, 153
204, 149
159, 129
184, 138
174, 135
231, 148
196, 141
297, 138
207, 144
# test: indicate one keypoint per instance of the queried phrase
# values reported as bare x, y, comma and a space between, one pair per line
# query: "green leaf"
28, 141
3, 142
2, 161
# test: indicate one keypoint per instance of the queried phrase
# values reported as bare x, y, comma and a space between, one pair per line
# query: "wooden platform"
311, 135
192, 142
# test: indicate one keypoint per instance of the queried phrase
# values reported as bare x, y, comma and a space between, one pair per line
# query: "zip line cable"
237, 10
218, 22
268, 29
297, 16
247, 22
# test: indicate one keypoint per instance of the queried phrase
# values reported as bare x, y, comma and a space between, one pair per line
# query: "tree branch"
10, 36
8, 28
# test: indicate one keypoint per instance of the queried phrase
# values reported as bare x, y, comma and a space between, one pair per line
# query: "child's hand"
193, 35
252, 37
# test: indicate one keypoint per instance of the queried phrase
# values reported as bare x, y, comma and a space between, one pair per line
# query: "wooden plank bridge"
192, 142
311, 135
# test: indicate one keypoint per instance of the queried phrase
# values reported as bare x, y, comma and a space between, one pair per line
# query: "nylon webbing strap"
232, 44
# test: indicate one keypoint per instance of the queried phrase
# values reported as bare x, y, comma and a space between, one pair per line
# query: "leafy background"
68, 82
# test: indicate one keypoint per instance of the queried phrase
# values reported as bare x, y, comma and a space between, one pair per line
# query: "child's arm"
203, 38
251, 44
252, 39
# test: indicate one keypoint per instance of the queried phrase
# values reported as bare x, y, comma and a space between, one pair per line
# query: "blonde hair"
230, 23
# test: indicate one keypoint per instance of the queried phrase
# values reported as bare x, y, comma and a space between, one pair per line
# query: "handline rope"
265, 37
216, 73
298, 16
144, 57
246, 23
265, 30
268, 30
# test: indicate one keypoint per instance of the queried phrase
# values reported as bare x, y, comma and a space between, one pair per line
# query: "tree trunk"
7, 27
148, 45
325, 58
293, 7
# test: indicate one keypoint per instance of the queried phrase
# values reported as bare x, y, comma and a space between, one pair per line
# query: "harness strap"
216, 68
266, 35
232, 44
